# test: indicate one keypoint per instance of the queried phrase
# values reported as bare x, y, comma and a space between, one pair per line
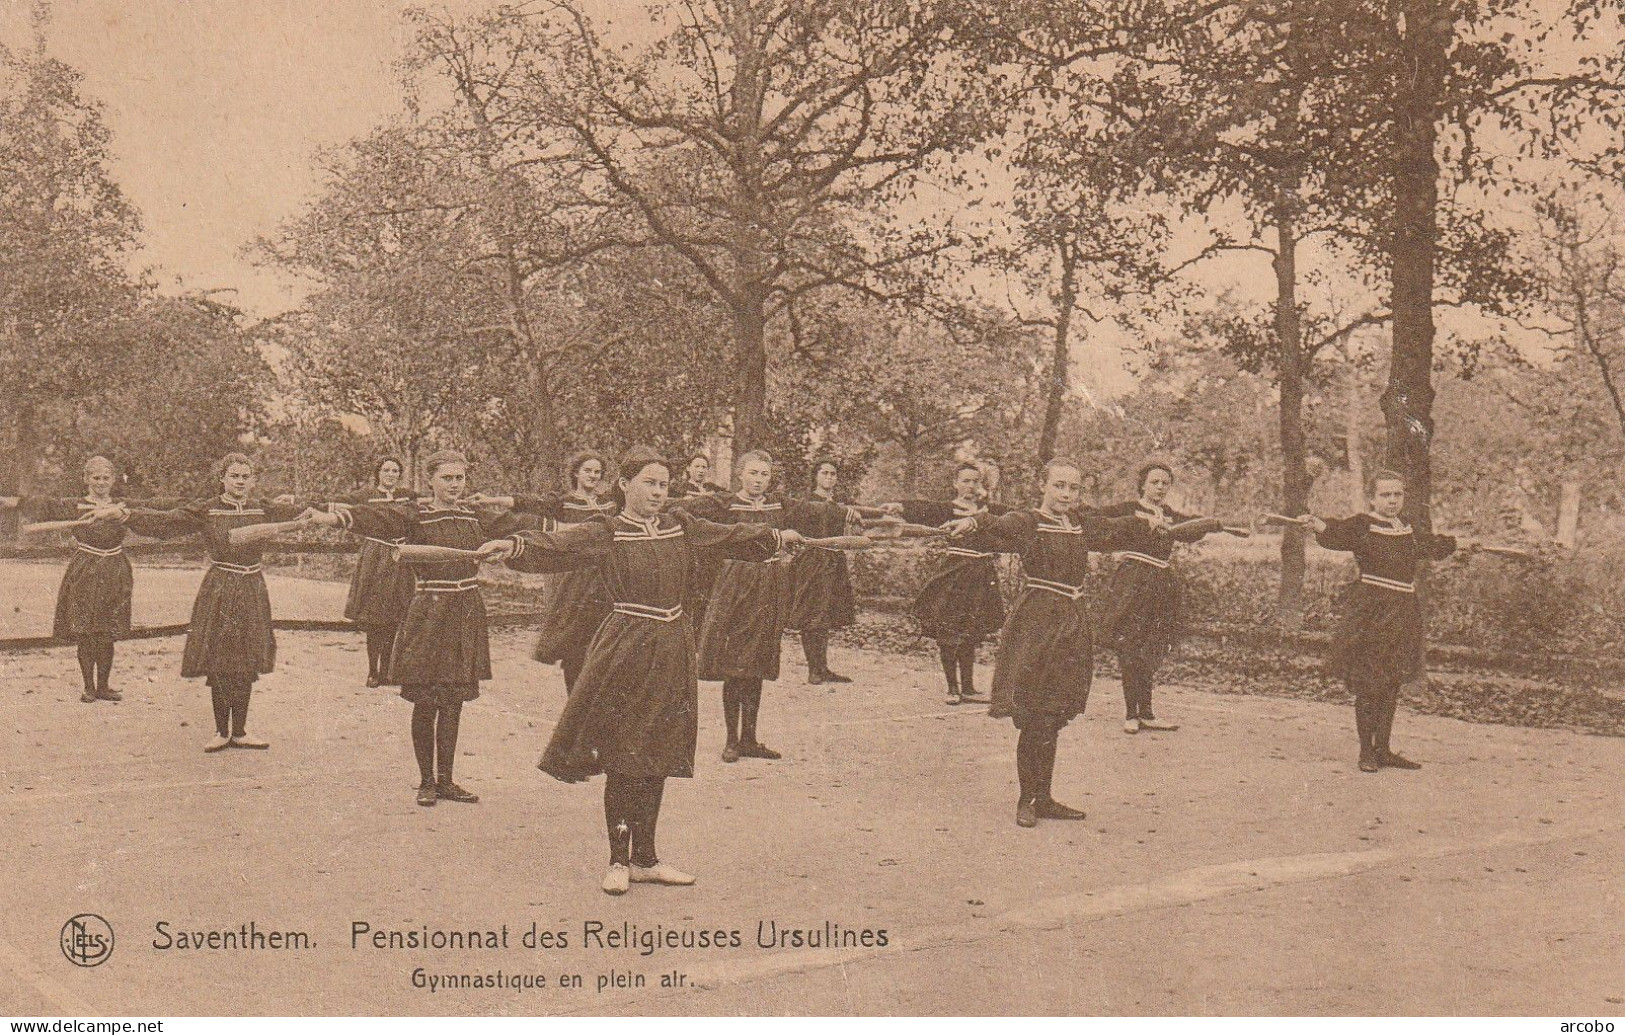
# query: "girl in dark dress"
634, 713
960, 605
381, 587
739, 643
821, 596
1142, 621
442, 650
1046, 653
1380, 639
696, 483
93, 605
229, 642
575, 602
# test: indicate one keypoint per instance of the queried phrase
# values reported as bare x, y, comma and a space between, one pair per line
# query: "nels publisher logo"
87, 940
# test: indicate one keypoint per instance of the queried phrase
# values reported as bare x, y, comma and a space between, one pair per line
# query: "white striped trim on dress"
1064, 526
754, 506
236, 513
595, 508
447, 585
1064, 589
236, 569
98, 551
1144, 558
385, 542
960, 551
1381, 526
637, 531
657, 614
1393, 584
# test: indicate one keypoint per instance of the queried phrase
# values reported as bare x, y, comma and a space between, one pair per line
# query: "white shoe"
617, 880
660, 873
245, 741
217, 744
1131, 725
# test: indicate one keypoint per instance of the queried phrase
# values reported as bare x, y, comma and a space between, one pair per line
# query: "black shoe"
108, 694
1395, 760
373, 682
452, 792
426, 794
1049, 808
88, 697
835, 677
1368, 764
815, 678
1026, 813
972, 697
731, 753
954, 698
756, 749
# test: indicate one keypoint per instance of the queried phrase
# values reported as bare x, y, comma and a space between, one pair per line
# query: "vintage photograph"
804, 508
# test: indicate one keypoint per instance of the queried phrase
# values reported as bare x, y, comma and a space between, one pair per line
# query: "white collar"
650, 526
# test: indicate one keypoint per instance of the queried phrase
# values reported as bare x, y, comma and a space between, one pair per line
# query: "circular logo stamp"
87, 940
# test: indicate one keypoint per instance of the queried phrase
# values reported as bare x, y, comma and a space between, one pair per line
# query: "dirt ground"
1241, 865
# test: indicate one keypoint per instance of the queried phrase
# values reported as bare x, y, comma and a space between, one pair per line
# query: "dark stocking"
645, 815
379, 642
967, 667
1035, 761
242, 689
104, 663
618, 805
220, 697
1136, 686
423, 713
450, 714
731, 707
750, 703
1382, 718
950, 665
814, 642
87, 665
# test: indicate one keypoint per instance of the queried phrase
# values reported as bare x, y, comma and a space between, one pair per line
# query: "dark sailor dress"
1144, 609
635, 707
381, 587
745, 620
442, 649
1380, 635
1046, 652
820, 581
574, 603
230, 633
94, 600
961, 602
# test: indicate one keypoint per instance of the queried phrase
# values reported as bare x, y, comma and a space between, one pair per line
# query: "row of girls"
633, 708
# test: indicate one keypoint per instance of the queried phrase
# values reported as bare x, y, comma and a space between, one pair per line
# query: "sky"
216, 109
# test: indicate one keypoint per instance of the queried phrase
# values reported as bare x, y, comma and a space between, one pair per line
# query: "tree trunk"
750, 371
1356, 458
1407, 402
1290, 365
544, 432
911, 465
1066, 299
